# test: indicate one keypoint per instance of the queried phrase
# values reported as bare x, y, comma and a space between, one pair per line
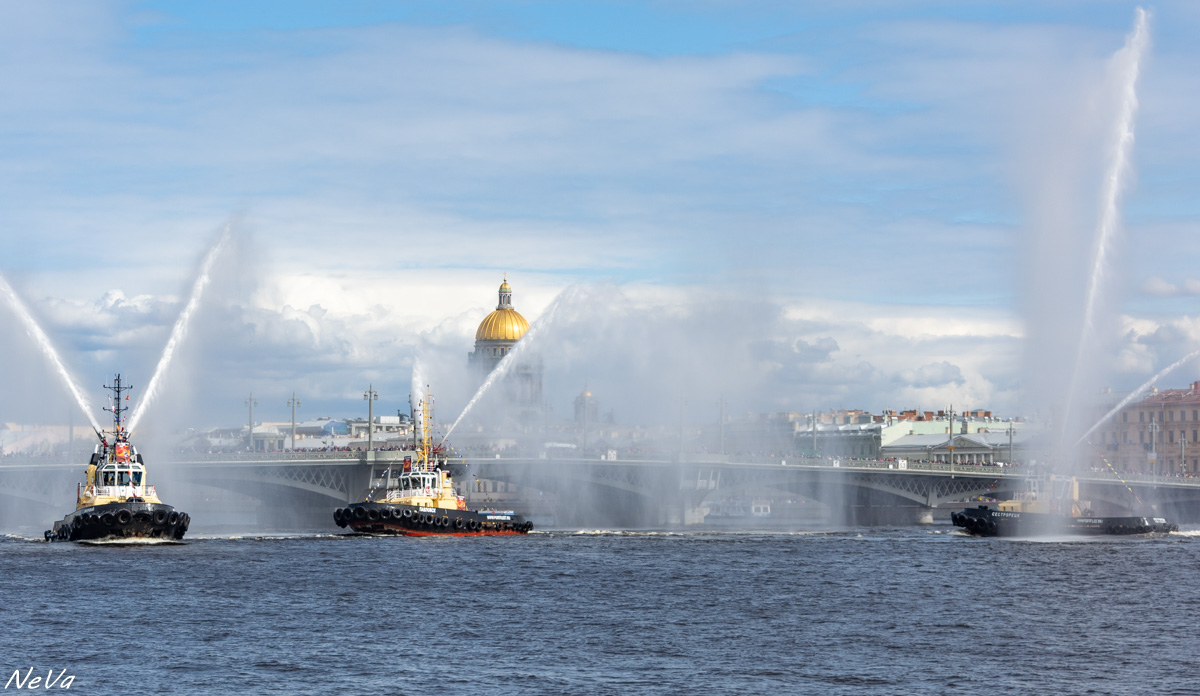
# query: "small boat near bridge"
420, 499
1051, 505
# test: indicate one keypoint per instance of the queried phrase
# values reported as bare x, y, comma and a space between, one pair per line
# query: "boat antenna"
116, 408
426, 424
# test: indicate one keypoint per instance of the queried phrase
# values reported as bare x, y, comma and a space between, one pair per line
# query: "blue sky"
824, 205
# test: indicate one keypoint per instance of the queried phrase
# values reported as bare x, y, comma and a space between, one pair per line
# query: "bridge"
633, 492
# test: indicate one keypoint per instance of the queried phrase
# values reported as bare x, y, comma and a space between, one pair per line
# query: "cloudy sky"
780, 205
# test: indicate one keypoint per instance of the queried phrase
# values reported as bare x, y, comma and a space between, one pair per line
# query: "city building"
586, 408
1158, 435
911, 434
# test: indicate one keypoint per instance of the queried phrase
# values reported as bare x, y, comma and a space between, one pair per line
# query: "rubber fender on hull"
124, 516
360, 513
373, 515
407, 514
385, 514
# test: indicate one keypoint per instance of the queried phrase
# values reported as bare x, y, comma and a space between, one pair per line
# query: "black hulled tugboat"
1038, 512
115, 502
420, 500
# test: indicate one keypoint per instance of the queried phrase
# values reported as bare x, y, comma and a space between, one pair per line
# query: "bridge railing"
260, 456
957, 469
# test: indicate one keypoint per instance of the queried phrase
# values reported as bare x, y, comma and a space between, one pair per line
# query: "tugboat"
1032, 513
115, 502
420, 499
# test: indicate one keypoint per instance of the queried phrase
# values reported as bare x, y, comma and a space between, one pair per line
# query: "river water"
913, 610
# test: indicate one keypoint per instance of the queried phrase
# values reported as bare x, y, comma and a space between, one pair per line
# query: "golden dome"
502, 325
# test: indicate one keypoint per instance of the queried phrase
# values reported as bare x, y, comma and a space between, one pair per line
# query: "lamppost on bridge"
1154, 428
950, 436
370, 397
251, 403
293, 402
721, 403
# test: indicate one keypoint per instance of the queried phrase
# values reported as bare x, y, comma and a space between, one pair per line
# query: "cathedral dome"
504, 324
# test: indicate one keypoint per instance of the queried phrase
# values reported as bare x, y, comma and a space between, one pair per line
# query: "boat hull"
984, 521
412, 520
116, 521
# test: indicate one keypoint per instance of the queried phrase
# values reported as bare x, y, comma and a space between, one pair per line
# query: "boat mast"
116, 408
426, 421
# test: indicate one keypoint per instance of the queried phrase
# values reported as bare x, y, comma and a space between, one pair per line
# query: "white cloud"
1160, 288
743, 236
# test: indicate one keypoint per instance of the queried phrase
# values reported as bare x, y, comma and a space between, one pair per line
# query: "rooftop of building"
1190, 395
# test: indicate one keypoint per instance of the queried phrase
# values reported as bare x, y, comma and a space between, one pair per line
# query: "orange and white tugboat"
420, 499
115, 502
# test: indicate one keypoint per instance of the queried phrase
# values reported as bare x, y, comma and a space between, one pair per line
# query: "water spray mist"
1128, 61
180, 329
35, 332
416, 393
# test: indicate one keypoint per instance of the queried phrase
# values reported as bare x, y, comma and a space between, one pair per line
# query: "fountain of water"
509, 361
35, 332
180, 328
1126, 62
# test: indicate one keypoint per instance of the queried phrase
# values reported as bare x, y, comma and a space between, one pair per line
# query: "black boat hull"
115, 521
411, 520
984, 521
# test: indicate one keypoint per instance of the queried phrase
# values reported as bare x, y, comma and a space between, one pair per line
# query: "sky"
767, 205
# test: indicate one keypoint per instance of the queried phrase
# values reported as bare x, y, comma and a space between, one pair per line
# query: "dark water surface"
919, 610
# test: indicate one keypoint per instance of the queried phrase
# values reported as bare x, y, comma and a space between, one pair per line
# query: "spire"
505, 295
